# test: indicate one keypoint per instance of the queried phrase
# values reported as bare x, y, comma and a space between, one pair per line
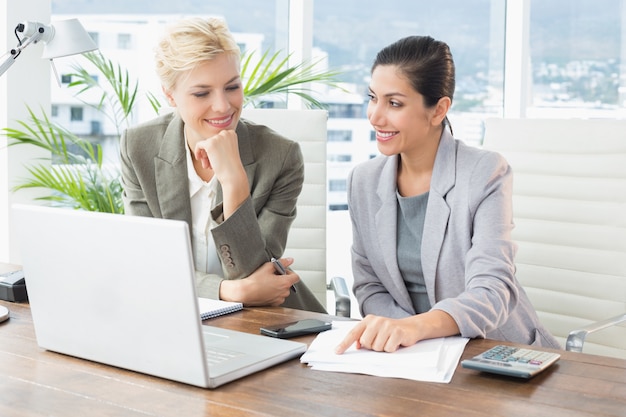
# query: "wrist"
234, 197
231, 290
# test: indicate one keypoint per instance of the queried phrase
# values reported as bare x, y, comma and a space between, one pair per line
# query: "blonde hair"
189, 42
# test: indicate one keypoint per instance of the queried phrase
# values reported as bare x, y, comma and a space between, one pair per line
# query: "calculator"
512, 361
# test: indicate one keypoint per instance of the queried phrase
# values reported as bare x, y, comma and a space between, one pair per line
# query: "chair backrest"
307, 237
569, 208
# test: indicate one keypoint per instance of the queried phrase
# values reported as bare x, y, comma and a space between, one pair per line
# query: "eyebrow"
392, 94
235, 78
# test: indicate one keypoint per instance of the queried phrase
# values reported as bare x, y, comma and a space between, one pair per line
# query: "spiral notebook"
210, 308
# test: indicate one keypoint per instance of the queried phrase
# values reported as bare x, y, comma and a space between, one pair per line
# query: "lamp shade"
68, 37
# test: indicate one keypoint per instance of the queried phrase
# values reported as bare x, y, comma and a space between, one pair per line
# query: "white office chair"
569, 208
307, 237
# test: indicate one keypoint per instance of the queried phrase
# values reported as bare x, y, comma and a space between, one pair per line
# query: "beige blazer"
154, 178
467, 252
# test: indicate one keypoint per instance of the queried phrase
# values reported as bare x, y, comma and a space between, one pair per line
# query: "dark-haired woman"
432, 254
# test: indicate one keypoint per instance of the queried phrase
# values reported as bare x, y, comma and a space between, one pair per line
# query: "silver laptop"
120, 290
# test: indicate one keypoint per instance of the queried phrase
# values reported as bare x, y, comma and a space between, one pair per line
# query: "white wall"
27, 82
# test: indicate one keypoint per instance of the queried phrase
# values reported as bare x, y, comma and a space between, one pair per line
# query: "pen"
281, 270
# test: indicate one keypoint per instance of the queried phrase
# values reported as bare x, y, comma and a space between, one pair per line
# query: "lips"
220, 122
384, 136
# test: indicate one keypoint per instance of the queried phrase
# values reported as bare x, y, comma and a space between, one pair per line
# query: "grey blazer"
467, 252
154, 178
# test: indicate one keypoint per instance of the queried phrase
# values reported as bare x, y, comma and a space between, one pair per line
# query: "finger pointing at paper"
375, 333
384, 334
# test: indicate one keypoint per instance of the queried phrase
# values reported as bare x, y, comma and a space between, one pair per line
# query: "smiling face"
397, 112
209, 98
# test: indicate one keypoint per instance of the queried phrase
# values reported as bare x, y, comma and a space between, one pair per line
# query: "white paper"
433, 360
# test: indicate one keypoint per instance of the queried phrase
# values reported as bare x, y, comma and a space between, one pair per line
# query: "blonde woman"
235, 183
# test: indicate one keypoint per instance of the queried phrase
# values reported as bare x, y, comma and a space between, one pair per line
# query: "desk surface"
35, 382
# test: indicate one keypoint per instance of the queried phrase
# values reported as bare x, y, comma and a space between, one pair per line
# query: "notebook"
210, 308
120, 290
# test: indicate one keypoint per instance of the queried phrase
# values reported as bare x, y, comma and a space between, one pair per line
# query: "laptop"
120, 290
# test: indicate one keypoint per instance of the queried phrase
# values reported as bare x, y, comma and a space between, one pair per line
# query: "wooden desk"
35, 382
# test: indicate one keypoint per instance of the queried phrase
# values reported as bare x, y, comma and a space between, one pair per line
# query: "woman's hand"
383, 334
221, 154
262, 288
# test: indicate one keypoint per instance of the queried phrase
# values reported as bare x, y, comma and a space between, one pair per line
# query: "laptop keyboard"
214, 356
217, 355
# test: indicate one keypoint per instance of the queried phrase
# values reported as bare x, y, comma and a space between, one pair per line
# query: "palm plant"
271, 77
80, 179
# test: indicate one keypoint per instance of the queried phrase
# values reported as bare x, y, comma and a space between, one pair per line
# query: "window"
54, 110
124, 41
66, 78
96, 127
94, 37
576, 55
339, 135
346, 110
337, 185
352, 34
339, 158
76, 114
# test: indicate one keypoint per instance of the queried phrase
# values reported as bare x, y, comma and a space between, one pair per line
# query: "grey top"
411, 214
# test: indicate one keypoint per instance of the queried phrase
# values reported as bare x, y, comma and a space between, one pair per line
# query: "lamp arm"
15, 52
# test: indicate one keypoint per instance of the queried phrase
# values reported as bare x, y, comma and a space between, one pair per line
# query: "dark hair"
426, 63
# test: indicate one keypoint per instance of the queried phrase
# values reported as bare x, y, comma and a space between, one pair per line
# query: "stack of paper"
431, 360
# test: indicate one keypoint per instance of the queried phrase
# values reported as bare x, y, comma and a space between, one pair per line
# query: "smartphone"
296, 328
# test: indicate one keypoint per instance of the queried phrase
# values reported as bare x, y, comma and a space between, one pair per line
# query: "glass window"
124, 41
339, 135
352, 34
339, 158
576, 58
94, 37
76, 114
337, 185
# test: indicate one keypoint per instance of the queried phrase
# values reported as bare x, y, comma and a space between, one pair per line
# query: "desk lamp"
62, 38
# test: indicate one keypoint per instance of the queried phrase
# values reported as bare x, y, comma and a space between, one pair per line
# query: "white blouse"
203, 196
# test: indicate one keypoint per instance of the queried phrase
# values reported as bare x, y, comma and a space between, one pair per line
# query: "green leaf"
271, 76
